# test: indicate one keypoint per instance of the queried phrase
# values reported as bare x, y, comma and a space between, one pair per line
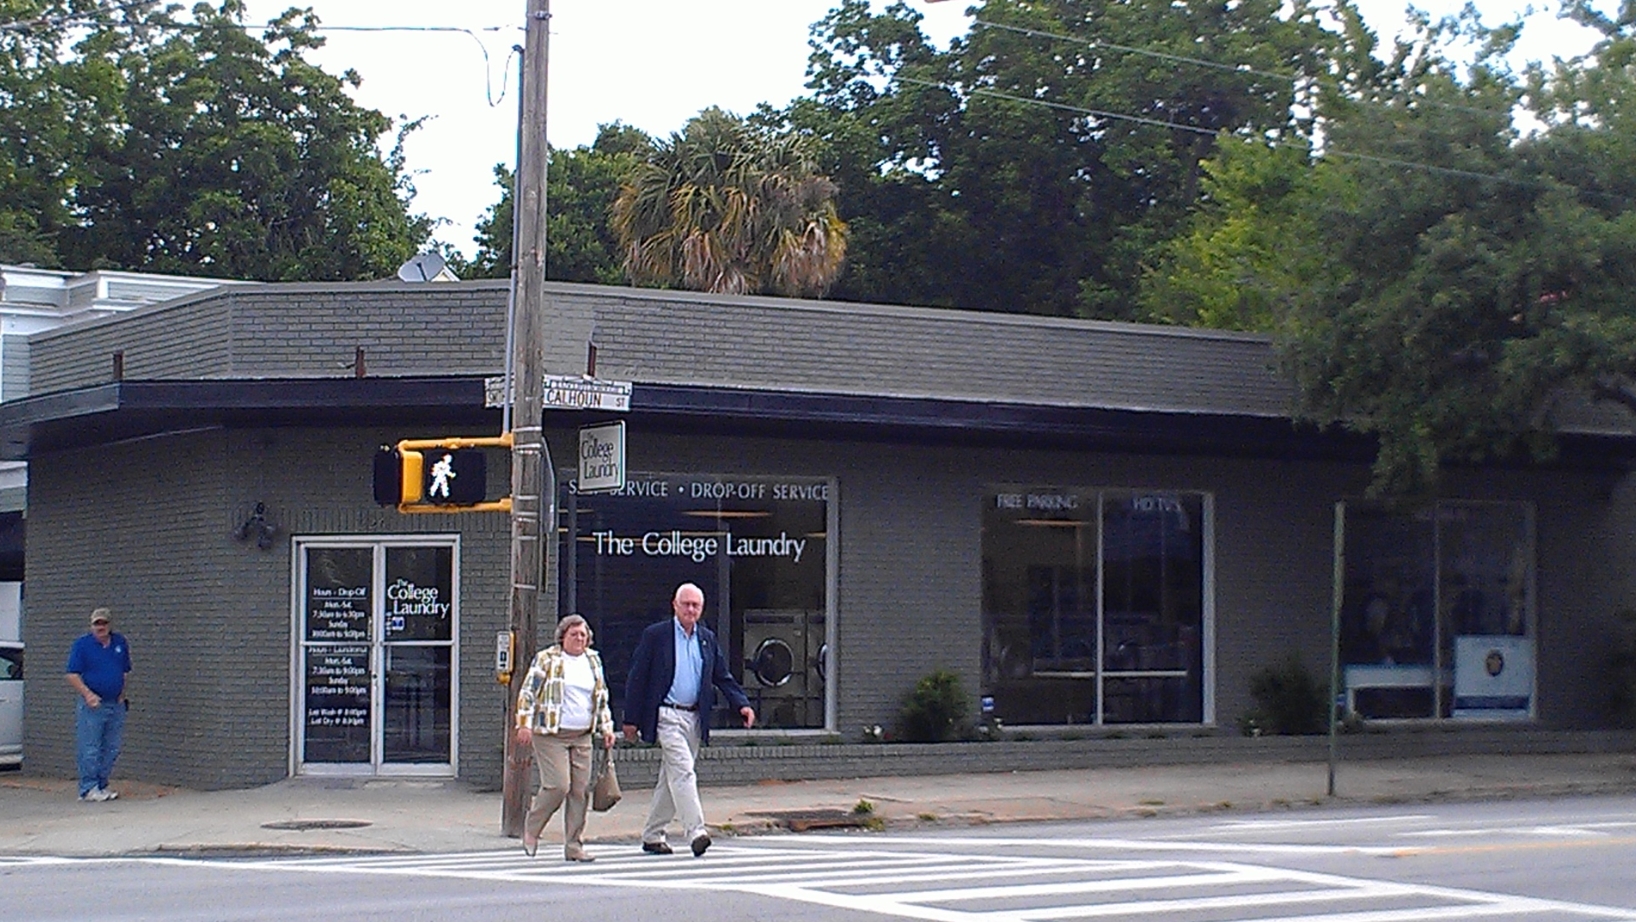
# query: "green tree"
52, 103
1034, 164
727, 206
581, 185
1437, 279
192, 146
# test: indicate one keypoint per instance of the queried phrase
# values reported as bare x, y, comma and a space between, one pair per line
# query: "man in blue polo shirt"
97, 663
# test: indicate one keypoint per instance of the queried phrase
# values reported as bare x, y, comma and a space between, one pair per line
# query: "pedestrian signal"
437, 475
458, 477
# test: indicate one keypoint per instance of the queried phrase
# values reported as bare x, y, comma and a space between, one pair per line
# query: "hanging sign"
602, 458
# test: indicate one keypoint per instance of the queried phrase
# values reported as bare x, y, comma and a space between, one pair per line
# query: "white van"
11, 702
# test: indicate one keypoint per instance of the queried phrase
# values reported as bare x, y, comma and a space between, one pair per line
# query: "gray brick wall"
183, 339
142, 528
146, 527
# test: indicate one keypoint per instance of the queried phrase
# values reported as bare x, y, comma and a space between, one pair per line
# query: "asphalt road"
1538, 860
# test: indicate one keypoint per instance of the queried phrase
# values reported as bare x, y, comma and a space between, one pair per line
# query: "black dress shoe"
656, 848
700, 844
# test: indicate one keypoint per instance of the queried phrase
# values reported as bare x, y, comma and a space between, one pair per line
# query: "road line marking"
1151, 845
819, 875
1253, 825
1206, 903
1235, 877
1417, 850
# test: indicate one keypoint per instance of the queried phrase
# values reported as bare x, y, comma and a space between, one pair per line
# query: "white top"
577, 685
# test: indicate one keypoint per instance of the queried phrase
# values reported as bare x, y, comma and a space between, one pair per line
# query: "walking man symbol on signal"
442, 474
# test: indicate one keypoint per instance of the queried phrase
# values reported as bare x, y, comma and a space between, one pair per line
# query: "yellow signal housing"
413, 466
410, 451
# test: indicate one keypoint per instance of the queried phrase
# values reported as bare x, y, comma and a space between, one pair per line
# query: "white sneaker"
109, 794
94, 796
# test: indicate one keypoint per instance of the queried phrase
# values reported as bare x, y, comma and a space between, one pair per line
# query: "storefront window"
1437, 609
759, 549
1093, 606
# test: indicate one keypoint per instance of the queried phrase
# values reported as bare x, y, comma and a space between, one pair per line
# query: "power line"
1178, 126
92, 16
488, 63
1291, 79
70, 19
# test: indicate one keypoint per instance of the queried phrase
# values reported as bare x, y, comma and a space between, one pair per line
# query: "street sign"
601, 458
575, 392
568, 392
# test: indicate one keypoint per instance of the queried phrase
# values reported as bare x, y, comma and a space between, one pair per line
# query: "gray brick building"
1092, 525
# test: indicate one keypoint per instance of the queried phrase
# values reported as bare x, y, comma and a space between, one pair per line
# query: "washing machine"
783, 666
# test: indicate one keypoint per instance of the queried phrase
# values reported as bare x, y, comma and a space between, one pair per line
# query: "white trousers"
676, 796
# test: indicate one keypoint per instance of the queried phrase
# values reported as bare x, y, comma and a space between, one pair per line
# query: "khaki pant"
677, 793
564, 760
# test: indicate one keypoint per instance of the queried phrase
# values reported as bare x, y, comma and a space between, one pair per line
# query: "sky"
652, 64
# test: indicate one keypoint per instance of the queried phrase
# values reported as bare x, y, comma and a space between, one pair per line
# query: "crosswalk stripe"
947, 885
1263, 899
945, 871
1205, 879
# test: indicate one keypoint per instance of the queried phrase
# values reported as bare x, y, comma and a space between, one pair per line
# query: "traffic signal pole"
530, 524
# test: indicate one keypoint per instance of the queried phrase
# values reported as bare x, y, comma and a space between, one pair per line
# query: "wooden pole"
528, 453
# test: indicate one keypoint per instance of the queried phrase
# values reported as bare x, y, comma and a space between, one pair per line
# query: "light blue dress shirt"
684, 689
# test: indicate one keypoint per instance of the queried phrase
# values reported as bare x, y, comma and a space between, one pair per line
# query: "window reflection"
1093, 606
757, 546
1436, 611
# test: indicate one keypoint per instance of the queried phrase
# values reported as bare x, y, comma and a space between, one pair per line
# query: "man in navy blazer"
675, 671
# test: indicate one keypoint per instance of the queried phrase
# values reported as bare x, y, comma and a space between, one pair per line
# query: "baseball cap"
101, 616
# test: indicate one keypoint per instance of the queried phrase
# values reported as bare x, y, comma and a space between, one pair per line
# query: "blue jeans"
98, 733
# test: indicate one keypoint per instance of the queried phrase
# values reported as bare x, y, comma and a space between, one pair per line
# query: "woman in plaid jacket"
563, 704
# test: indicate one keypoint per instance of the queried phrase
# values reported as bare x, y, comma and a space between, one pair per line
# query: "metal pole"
1336, 595
511, 292
528, 455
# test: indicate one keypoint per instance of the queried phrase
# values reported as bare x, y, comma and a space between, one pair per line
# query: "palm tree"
729, 208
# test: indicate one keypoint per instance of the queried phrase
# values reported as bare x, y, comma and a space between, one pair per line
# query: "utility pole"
529, 457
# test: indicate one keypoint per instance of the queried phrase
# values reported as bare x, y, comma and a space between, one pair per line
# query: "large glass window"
1437, 610
757, 546
1093, 606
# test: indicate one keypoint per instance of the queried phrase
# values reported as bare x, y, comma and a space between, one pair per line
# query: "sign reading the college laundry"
419, 594
711, 517
601, 458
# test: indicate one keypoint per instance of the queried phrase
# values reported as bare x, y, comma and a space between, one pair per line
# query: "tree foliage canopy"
1434, 275
1033, 164
728, 206
581, 185
135, 136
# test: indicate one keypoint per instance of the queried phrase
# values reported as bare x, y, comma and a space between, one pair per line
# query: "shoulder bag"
604, 782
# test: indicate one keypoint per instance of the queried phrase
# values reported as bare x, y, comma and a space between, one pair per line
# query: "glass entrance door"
375, 653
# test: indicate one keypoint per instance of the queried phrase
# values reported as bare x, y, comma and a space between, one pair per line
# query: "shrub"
1288, 701
936, 709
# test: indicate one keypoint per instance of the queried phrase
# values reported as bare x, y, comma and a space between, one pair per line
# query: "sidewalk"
40, 816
